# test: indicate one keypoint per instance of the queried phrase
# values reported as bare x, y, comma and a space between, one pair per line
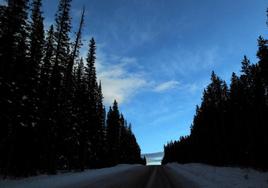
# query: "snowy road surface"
122, 176
138, 176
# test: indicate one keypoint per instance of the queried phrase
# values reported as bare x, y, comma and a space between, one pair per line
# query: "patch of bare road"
141, 177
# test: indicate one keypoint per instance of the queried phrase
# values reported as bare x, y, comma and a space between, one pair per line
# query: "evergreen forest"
52, 115
230, 126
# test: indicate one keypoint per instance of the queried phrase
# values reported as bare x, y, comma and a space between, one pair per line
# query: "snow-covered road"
138, 176
122, 176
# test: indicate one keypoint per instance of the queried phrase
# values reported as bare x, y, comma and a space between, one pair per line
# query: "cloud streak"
118, 83
166, 86
186, 63
119, 88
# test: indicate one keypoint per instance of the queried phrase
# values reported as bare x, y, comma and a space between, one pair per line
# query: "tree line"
52, 115
230, 127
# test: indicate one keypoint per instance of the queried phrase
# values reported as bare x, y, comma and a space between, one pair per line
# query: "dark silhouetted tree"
52, 115
230, 126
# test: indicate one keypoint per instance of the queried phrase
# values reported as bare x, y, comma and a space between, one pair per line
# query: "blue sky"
156, 56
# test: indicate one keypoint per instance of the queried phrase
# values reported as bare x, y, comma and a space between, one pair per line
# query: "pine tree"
113, 134
56, 94
13, 36
46, 131
121, 142
36, 36
92, 87
36, 39
63, 27
80, 111
68, 100
75, 52
13, 77
30, 85
52, 113
261, 91
101, 147
132, 149
46, 67
262, 54
62, 44
90, 69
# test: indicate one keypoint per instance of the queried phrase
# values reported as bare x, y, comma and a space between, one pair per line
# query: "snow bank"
205, 176
66, 180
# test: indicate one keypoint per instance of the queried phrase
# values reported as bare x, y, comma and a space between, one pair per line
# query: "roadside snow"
188, 175
205, 176
66, 180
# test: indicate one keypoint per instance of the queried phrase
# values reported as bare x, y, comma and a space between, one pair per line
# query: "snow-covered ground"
205, 176
66, 180
137, 176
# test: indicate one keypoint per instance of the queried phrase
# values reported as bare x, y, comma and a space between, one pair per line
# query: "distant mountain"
153, 158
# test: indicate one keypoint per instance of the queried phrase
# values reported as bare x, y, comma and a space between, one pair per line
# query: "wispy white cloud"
193, 88
186, 62
117, 81
120, 89
166, 86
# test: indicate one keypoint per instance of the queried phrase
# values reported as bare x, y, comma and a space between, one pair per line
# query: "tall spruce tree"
100, 146
68, 99
113, 134
30, 85
52, 113
81, 114
261, 90
230, 126
62, 45
13, 75
36, 36
46, 66
46, 131
56, 94
13, 36
75, 52
92, 87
